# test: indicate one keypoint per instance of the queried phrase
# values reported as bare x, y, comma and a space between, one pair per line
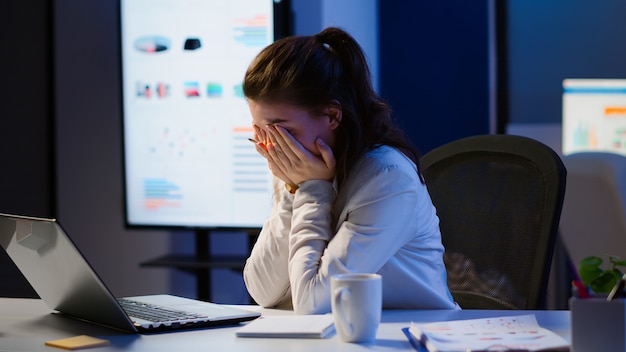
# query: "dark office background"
434, 70
27, 181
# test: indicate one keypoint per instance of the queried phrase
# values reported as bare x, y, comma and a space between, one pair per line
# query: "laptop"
67, 283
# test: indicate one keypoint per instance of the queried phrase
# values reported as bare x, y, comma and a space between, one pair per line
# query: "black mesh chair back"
499, 200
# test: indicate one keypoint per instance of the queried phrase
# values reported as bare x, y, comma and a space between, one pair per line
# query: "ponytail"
350, 53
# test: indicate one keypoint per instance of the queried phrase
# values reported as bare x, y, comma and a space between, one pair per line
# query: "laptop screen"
58, 272
65, 281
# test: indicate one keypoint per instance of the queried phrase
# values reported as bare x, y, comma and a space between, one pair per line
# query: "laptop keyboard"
155, 313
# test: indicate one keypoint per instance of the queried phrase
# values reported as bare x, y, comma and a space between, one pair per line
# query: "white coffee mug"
356, 301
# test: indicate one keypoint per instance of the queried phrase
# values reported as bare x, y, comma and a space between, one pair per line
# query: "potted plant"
597, 279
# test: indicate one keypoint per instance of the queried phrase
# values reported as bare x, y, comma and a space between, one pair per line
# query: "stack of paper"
295, 326
488, 334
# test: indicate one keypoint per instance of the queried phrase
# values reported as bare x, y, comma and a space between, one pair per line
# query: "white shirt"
381, 221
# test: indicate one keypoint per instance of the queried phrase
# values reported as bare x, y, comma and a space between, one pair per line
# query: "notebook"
290, 326
67, 283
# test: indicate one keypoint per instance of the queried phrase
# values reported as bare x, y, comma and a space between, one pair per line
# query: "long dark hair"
313, 71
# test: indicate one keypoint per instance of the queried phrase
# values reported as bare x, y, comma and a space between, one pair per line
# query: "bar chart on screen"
594, 115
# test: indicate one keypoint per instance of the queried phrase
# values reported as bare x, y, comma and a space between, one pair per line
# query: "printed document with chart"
497, 333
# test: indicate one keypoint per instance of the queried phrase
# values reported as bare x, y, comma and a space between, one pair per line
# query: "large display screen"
187, 158
594, 115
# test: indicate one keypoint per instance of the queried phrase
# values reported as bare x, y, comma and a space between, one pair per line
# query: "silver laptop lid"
58, 272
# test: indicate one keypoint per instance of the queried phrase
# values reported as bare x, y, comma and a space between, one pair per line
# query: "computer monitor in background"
187, 159
594, 115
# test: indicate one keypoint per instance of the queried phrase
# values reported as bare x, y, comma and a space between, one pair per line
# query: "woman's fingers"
290, 161
327, 154
290, 147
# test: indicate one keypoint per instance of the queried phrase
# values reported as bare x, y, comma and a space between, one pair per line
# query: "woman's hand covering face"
289, 160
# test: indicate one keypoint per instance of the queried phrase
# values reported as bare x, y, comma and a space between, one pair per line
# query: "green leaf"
605, 282
589, 274
619, 263
590, 262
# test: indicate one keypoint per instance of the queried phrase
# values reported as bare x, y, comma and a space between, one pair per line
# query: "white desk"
25, 324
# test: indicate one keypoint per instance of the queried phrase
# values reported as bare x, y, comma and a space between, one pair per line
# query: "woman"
348, 193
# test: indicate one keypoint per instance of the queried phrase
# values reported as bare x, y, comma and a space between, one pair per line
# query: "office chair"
593, 221
499, 200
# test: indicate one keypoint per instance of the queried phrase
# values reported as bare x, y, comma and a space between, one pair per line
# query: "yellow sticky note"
77, 342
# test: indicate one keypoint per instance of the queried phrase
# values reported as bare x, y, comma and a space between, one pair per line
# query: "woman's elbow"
257, 292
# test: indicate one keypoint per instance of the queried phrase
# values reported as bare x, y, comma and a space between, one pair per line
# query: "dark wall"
26, 133
27, 183
549, 41
434, 68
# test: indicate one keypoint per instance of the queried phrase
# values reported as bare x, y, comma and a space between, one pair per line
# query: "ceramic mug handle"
342, 295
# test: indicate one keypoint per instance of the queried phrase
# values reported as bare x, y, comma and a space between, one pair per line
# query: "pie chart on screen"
152, 44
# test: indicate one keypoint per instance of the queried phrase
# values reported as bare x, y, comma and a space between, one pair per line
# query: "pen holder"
598, 324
